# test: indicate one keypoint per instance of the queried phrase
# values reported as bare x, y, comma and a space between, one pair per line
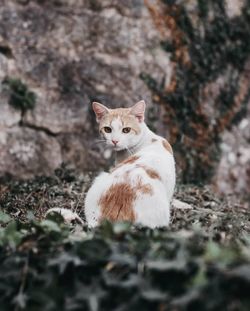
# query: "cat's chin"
118, 148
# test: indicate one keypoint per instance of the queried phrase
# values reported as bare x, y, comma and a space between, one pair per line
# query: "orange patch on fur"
117, 203
167, 146
131, 121
129, 160
119, 112
144, 188
150, 171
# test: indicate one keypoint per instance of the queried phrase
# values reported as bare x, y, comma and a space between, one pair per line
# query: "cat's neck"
145, 139
121, 156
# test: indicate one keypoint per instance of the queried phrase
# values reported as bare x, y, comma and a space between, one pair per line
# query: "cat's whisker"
130, 153
98, 142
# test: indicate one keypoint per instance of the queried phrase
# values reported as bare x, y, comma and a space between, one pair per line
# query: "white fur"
150, 210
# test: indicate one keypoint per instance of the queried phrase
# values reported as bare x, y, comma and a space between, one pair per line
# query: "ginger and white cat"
140, 187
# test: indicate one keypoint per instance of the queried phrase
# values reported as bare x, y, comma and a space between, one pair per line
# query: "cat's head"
121, 127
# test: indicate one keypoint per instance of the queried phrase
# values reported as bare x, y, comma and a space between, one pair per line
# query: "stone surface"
233, 174
71, 52
182, 57
8, 116
25, 151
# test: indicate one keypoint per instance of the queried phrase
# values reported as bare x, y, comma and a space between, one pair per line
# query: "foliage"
202, 262
47, 266
21, 97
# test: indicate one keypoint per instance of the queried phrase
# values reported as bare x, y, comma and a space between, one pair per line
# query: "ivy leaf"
94, 250
153, 295
30, 216
50, 225
20, 300
63, 260
11, 235
241, 273
121, 227
223, 255
4, 218
55, 217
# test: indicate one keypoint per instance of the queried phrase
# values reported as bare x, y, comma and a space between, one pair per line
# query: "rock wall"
206, 103
69, 53
188, 59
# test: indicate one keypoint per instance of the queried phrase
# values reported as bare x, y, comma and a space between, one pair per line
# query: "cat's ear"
138, 110
100, 111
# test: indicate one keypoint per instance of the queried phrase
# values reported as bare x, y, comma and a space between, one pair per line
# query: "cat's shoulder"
160, 143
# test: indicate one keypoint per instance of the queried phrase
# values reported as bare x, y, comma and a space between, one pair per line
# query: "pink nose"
115, 142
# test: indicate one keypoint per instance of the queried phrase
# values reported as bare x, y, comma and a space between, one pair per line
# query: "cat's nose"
115, 142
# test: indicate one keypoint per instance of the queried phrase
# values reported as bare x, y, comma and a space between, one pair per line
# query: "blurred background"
188, 59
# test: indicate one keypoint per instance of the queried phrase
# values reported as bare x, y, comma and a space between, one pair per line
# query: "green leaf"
20, 300
30, 216
4, 218
200, 278
55, 217
213, 251
50, 225
224, 255
11, 235
153, 295
121, 227
63, 260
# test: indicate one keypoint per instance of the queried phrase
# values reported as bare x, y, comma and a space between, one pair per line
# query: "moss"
167, 46
95, 5
169, 2
21, 97
5, 50
203, 8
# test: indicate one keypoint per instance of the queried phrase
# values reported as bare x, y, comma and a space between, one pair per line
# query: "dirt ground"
224, 217
201, 262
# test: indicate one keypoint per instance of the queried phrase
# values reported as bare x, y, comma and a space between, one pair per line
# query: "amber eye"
107, 129
126, 130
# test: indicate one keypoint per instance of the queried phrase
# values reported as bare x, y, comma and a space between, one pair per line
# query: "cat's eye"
126, 130
107, 129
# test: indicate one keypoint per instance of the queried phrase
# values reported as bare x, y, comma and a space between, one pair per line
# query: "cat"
140, 187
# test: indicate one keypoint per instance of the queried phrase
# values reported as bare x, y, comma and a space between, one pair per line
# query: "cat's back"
158, 149
154, 162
